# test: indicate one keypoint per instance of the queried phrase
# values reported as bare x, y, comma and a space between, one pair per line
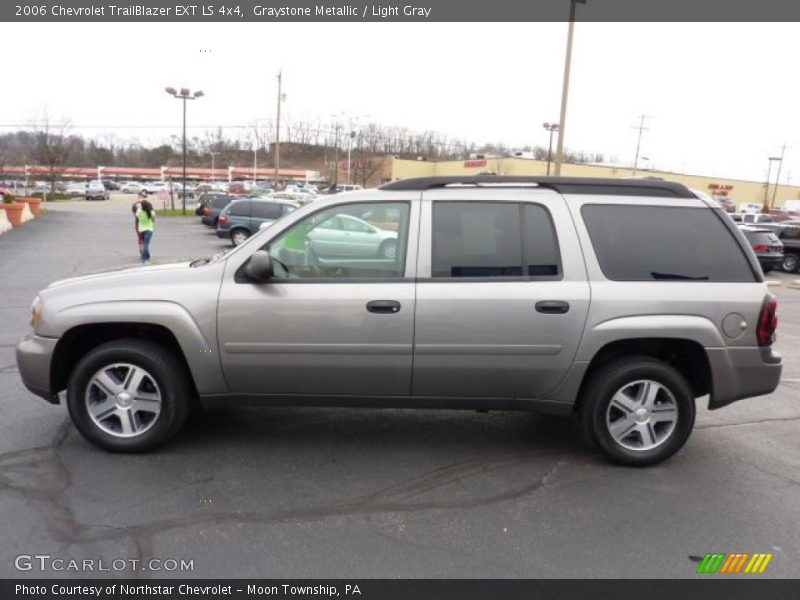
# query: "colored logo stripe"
721, 562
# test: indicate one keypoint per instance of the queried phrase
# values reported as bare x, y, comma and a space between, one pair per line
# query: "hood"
123, 271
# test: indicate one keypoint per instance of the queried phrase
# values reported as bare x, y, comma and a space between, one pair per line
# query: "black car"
766, 245
789, 235
110, 185
210, 205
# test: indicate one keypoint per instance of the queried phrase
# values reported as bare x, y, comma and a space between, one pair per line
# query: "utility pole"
641, 128
565, 88
778, 176
278, 132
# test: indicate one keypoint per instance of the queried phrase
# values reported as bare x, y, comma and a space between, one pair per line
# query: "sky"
721, 98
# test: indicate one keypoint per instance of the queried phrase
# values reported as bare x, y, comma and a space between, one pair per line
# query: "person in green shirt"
145, 217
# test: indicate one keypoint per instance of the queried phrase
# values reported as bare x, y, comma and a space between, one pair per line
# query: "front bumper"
34, 354
743, 372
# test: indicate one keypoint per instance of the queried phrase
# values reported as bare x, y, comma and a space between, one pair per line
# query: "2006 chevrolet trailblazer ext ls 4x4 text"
619, 300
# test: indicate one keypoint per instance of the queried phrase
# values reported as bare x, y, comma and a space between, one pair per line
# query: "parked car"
343, 236
110, 185
754, 218
751, 207
154, 187
728, 205
76, 188
132, 187
788, 232
555, 297
210, 205
337, 189
766, 245
177, 189
242, 218
237, 188
95, 190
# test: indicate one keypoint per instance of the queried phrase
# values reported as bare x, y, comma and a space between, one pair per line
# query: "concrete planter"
27, 215
5, 224
35, 204
14, 212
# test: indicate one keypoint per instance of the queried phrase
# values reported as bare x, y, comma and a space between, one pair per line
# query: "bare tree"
50, 146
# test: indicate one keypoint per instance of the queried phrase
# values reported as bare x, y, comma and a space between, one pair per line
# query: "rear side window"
664, 243
240, 209
221, 201
493, 239
761, 237
267, 210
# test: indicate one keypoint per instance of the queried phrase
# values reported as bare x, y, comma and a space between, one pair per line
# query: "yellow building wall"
743, 191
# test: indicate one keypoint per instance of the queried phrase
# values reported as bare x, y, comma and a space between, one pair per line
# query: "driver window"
352, 241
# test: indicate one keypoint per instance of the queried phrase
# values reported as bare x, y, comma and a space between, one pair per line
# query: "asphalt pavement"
355, 493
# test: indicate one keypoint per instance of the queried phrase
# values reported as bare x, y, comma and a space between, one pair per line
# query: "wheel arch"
688, 356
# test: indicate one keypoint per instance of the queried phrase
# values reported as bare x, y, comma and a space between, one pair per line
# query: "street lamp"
213, 154
551, 127
184, 94
565, 88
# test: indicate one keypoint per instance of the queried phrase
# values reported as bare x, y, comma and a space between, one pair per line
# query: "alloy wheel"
642, 415
123, 400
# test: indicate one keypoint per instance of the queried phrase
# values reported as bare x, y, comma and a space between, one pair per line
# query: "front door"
332, 321
502, 293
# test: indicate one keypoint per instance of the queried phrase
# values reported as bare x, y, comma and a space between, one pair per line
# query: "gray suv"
618, 301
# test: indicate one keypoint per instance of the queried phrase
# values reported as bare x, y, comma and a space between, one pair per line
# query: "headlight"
36, 312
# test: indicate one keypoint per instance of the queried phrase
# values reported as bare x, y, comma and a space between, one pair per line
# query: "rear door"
502, 293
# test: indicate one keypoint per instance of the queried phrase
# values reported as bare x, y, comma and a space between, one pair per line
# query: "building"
739, 190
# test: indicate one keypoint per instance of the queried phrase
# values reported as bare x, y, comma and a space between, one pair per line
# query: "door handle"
383, 306
552, 307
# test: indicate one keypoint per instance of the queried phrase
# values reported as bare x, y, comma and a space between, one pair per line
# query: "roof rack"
562, 185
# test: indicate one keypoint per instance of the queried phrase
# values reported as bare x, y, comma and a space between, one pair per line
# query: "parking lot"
312, 492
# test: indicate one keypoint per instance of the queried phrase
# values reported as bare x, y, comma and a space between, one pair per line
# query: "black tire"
167, 371
766, 270
239, 230
596, 397
386, 247
791, 262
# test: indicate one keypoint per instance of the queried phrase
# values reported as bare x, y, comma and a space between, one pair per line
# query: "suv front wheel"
791, 262
128, 395
637, 410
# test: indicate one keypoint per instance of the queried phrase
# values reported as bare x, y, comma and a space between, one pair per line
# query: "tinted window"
319, 247
267, 210
761, 237
654, 243
493, 239
240, 209
221, 201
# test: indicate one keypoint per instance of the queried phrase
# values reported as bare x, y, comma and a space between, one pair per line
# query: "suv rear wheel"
128, 395
239, 236
637, 410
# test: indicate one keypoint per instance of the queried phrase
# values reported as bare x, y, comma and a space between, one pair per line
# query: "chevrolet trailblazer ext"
621, 301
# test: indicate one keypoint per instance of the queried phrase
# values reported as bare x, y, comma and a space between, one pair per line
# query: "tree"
50, 146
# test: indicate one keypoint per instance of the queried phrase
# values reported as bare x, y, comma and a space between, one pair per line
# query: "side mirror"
259, 268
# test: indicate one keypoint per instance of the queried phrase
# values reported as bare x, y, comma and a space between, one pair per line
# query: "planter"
14, 212
34, 203
5, 224
27, 215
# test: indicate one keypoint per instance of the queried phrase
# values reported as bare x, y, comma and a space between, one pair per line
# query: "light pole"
565, 89
281, 98
778, 176
551, 127
213, 154
184, 94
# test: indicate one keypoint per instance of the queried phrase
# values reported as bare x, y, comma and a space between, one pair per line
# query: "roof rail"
563, 185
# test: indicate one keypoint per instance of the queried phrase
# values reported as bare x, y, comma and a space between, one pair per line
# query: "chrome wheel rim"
642, 415
239, 238
123, 400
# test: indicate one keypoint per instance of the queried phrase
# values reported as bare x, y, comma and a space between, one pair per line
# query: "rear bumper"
770, 262
209, 220
743, 372
223, 233
34, 354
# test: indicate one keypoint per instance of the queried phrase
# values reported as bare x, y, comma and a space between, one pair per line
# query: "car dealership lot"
371, 493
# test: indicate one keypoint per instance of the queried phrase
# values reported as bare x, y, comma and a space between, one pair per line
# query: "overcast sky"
722, 97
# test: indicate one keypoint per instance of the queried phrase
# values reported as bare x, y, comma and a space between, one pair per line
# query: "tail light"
760, 248
767, 321
222, 220
206, 211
